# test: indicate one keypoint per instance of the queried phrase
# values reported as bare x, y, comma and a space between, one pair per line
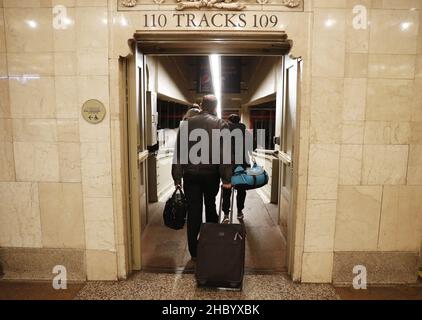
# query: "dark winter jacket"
208, 122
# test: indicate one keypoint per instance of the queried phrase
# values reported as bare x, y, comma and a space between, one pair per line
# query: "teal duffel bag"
251, 178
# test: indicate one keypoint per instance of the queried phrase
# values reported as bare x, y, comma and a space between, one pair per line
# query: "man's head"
234, 118
191, 113
209, 104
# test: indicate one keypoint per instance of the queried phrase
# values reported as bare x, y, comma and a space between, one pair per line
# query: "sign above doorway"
223, 5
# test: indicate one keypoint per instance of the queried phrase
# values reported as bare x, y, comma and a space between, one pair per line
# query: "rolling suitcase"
221, 253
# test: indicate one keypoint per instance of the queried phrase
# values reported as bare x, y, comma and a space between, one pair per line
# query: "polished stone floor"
166, 250
183, 287
154, 286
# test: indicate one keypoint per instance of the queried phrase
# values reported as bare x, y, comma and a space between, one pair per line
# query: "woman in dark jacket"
234, 123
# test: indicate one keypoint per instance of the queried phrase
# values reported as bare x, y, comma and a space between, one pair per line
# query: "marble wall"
360, 171
364, 193
55, 169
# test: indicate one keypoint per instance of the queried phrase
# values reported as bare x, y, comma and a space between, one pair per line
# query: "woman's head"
234, 118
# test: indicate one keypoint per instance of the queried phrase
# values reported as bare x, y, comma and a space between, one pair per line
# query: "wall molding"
204, 5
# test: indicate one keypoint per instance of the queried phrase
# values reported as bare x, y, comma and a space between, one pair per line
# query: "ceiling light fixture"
215, 64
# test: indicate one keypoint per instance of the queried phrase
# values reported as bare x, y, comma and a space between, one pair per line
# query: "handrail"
264, 151
142, 156
285, 158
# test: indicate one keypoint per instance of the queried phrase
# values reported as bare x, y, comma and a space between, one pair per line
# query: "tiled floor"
166, 249
183, 287
153, 286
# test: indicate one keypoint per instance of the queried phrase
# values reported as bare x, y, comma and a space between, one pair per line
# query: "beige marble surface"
401, 219
350, 165
401, 27
415, 171
389, 99
323, 172
317, 267
384, 165
20, 224
32, 96
7, 162
99, 223
101, 265
326, 110
320, 225
36, 161
358, 216
361, 127
61, 210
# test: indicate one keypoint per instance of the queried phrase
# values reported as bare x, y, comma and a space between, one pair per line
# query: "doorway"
152, 119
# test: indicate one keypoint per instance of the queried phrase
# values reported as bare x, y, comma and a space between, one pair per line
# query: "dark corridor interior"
248, 89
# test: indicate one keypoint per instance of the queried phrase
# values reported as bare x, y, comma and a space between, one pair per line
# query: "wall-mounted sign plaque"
93, 111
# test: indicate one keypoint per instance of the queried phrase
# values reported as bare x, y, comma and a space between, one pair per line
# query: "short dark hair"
191, 113
209, 103
234, 118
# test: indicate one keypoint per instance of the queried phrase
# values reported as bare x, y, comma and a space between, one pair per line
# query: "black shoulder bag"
175, 211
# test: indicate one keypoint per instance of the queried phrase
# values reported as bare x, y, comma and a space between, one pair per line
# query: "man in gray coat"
201, 179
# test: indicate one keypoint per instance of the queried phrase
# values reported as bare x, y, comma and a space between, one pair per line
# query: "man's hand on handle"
227, 186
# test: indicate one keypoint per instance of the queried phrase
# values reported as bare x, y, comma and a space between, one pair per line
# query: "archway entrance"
142, 118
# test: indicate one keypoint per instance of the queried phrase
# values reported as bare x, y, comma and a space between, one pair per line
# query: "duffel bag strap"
253, 159
179, 188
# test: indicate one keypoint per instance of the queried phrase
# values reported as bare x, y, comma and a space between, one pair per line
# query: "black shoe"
226, 219
240, 215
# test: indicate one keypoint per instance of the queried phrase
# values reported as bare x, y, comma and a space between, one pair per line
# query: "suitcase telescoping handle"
231, 205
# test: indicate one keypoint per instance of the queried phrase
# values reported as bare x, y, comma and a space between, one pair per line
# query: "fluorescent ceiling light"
215, 63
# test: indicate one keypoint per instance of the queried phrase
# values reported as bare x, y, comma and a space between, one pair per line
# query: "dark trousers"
200, 189
240, 200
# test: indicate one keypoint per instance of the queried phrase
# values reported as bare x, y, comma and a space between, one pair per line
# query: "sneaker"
240, 215
226, 219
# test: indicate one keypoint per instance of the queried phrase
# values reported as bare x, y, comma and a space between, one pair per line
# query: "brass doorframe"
222, 42
225, 43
